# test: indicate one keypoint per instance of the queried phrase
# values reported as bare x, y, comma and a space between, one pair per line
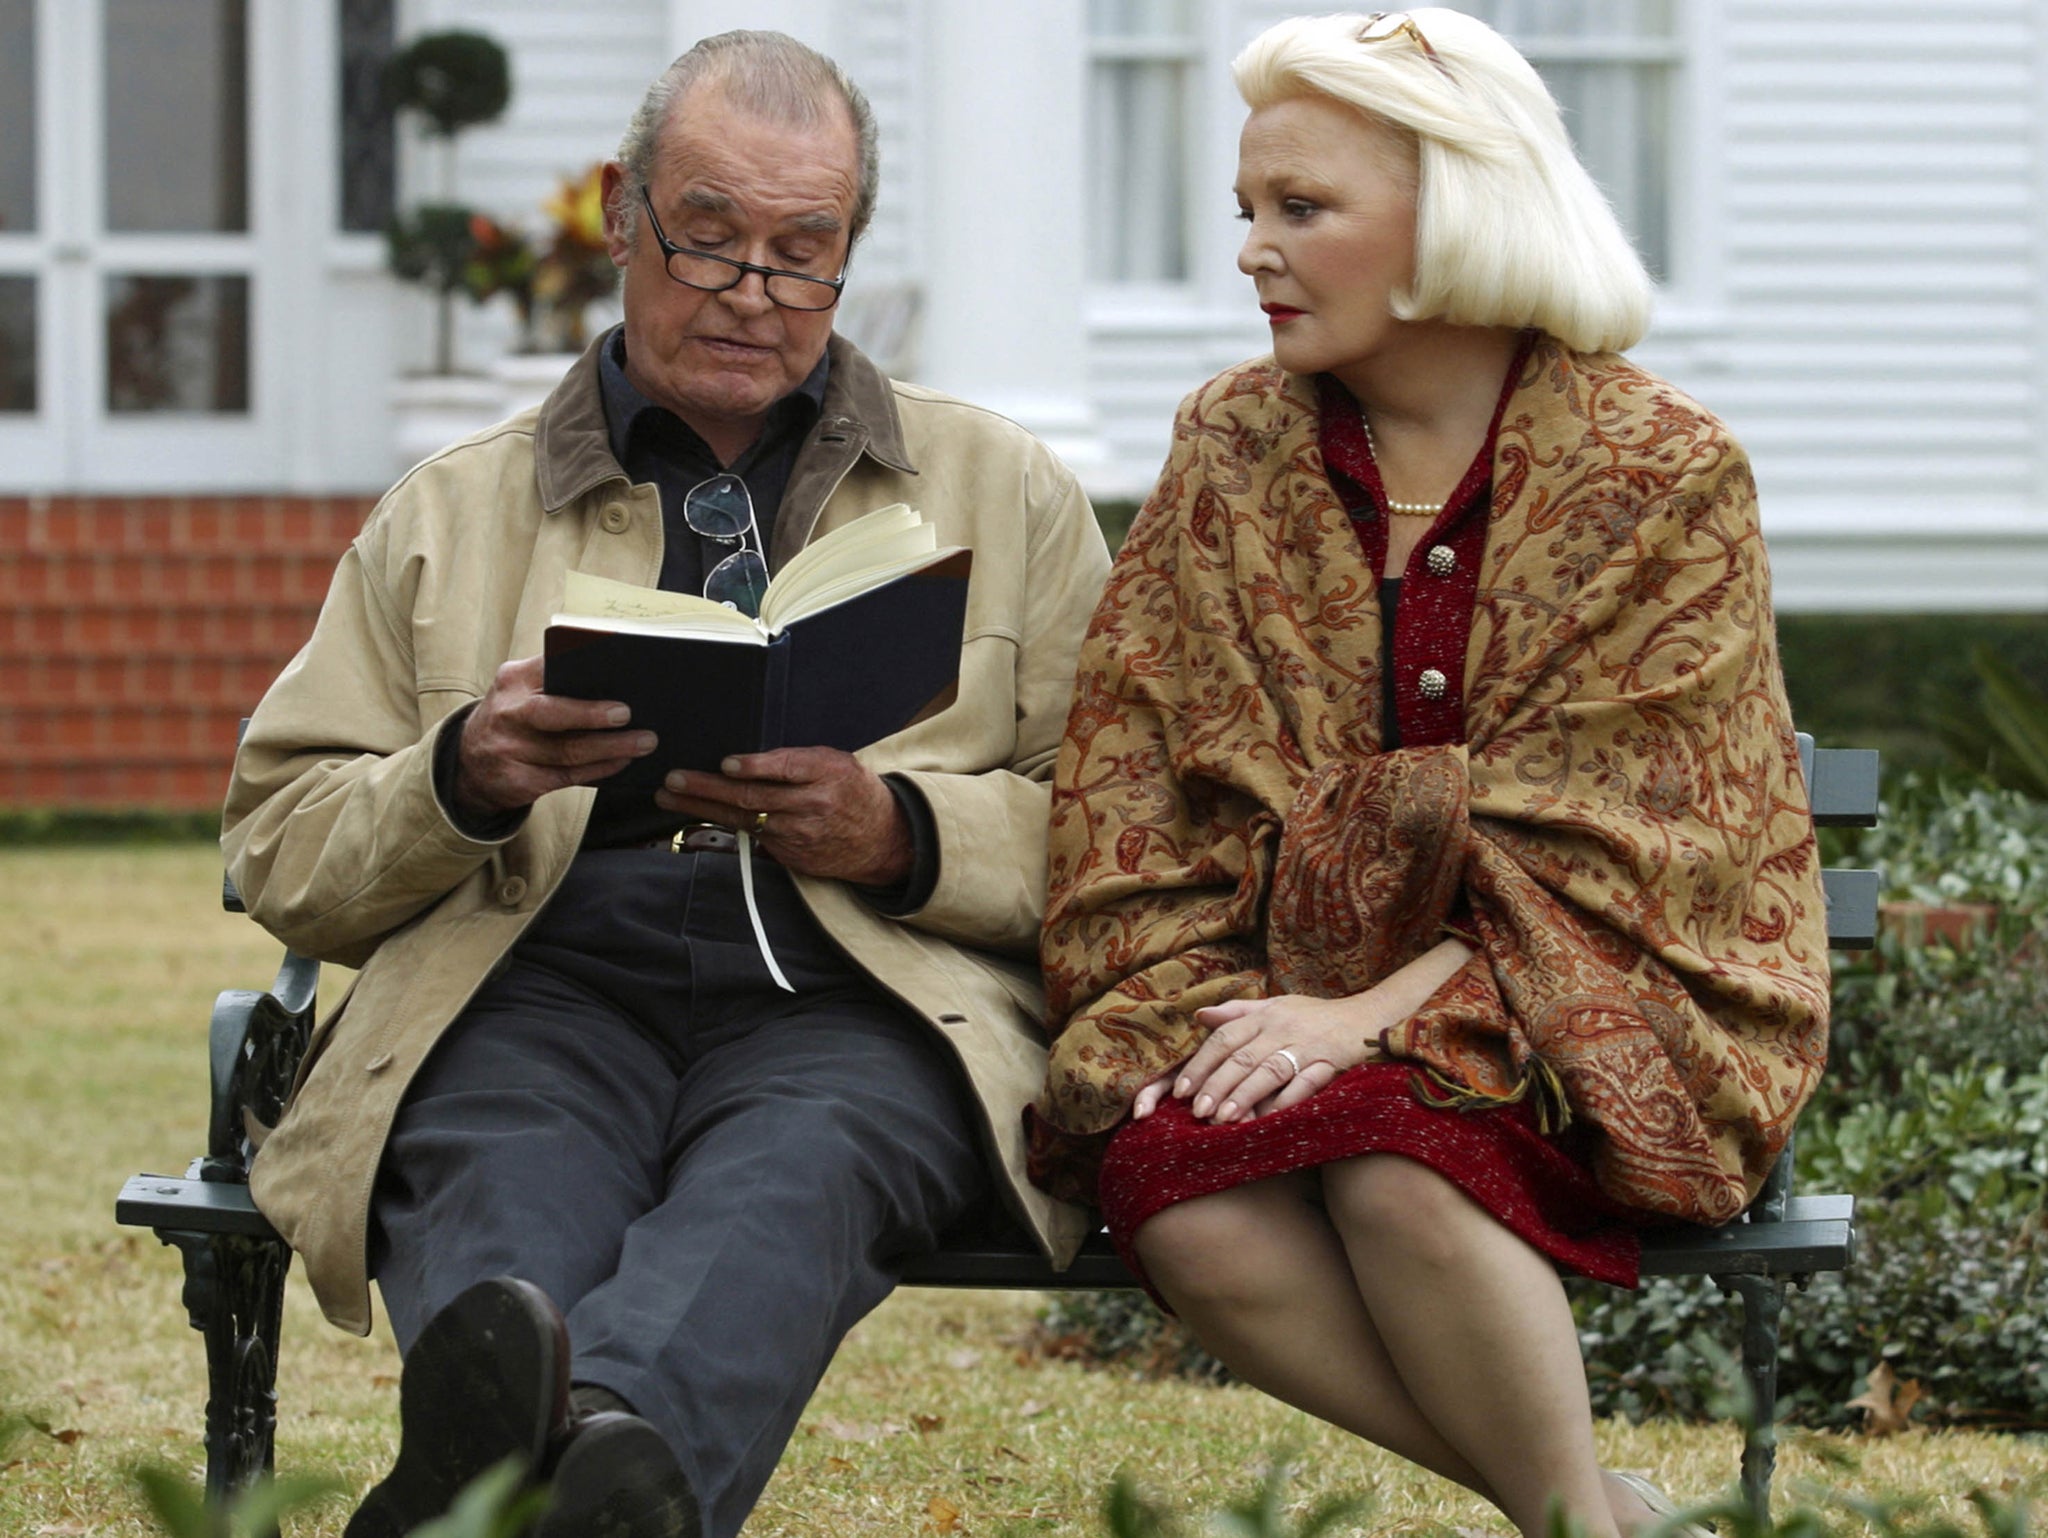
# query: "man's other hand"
828, 814
519, 743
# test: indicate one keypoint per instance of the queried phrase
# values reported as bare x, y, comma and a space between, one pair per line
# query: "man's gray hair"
769, 74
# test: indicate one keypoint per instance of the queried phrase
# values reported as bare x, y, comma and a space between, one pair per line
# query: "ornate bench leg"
1763, 1304
234, 1295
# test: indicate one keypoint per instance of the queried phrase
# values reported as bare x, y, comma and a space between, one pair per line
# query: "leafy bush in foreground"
1957, 1305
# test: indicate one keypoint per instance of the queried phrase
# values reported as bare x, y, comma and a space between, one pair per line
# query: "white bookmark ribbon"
754, 913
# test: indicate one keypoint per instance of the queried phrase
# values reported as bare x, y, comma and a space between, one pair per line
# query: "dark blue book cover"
840, 677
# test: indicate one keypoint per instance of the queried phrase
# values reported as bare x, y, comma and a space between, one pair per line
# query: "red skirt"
1496, 1156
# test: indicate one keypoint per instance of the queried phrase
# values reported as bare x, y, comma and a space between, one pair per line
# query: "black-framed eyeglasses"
721, 509
716, 274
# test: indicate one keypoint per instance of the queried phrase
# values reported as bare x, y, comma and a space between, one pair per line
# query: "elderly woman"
1434, 899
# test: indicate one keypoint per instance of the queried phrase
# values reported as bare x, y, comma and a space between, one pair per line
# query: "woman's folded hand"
1267, 1054
1264, 1055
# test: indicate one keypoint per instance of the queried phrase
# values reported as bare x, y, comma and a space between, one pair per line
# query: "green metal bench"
235, 1264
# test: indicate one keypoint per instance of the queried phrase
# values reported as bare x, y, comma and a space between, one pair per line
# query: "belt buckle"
704, 838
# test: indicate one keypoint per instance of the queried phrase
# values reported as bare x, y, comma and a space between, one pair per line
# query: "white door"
136, 293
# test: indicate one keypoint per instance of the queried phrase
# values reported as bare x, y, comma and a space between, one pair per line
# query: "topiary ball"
456, 78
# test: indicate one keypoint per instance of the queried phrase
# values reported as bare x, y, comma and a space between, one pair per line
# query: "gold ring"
760, 824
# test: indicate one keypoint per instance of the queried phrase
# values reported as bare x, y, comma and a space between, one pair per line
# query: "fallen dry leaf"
62, 1530
383, 1380
1031, 1407
1011, 1452
927, 1424
942, 1513
1887, 1401
839, 1465
963, 1360
856, 1431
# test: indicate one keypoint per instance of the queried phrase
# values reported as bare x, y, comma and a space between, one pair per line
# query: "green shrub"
1941, 1295
1127, 1329
1945, 838
1885, 680
1901, 1005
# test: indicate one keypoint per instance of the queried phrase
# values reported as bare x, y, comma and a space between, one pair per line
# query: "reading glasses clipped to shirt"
721, 509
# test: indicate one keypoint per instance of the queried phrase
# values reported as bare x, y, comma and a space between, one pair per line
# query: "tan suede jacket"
335, 836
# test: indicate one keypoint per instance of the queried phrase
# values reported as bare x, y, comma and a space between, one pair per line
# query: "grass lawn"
933, 1420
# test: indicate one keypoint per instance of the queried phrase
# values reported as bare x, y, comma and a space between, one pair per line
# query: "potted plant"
575, 271
453, 80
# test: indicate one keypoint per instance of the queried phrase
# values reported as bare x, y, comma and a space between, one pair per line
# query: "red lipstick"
1280, 314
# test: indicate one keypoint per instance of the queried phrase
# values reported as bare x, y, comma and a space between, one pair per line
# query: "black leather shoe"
616, 1478
487, 1379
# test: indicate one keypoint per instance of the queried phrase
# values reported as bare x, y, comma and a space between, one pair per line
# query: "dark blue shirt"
653, 444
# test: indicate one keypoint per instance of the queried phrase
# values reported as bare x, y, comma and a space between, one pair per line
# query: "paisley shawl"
1623, 831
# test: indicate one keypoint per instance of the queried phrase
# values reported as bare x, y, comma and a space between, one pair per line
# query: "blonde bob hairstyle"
1509, 228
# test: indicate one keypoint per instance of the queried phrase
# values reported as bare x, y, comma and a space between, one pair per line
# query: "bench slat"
1790, 1248
1843, 787
1815, 1236
1852, 908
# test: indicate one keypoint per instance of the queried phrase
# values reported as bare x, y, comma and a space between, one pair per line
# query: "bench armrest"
256, 1042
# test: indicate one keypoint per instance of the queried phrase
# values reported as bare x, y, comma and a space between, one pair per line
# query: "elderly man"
565, 1078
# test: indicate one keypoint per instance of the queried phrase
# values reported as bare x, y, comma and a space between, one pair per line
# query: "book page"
604, 604
852, 558
871, 562
843, 548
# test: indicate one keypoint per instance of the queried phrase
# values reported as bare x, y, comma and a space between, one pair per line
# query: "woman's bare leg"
1477, 1327
1260, 1276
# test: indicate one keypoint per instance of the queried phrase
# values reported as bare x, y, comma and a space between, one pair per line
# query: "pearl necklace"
1398, 509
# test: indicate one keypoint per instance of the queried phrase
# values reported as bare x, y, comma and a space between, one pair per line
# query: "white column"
1004, 256
808, 21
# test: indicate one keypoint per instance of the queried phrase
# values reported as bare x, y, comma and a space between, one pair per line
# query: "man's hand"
828, 814
520, 743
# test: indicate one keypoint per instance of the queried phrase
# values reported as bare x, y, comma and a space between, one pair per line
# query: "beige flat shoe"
1662, 1504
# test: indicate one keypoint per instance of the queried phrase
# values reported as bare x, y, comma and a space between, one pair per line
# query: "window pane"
369, 147
177, 343
1138, 124
177, 115
1577, 18
1140, 18
17, 115
1620, 122
17, 344
1620, 112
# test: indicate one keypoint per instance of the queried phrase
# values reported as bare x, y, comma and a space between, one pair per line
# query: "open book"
859, 635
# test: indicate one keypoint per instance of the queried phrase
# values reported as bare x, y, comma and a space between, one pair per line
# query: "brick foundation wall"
136, 631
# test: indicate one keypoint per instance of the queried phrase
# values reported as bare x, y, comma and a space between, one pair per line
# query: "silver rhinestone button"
1443, 560
1433, 684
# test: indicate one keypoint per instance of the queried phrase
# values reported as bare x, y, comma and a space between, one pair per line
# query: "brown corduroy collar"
572, 447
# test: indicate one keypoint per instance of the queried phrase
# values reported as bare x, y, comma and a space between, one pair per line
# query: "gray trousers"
714, 1179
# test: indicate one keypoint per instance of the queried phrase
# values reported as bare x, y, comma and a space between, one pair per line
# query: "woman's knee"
1209, 1250
1391, 1200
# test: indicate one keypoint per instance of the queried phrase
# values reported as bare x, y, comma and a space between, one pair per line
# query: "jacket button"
616, 518
1433, 684
512, 889
1443, 560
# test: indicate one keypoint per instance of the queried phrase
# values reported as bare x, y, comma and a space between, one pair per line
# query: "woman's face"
1330, 198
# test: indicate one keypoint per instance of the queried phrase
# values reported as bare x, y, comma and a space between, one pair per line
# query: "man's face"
744, 187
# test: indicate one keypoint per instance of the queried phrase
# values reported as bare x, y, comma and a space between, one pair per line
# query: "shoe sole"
617, 1478
487, 1380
